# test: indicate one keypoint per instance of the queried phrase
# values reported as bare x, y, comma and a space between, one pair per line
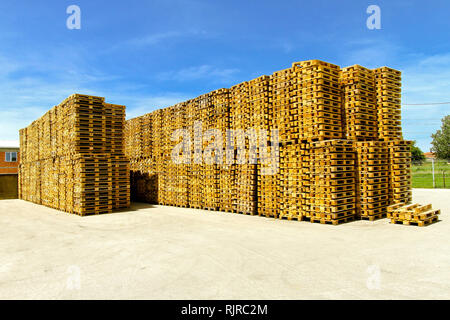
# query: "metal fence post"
432, 166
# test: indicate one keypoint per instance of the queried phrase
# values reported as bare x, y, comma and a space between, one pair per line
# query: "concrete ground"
157, 252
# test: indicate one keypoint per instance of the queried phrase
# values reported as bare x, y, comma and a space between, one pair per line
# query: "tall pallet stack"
319, 176
245, 193
400, 172
267, 165
210, 186
178, 172
359, 103
319, 99
70, 164
333, 187
224, 171
281, 86
196, 168
372, 179
388, 87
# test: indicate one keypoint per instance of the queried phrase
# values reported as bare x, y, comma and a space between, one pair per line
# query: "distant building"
9, 160
430, 155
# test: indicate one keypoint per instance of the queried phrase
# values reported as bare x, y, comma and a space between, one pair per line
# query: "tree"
441, 140
416, 154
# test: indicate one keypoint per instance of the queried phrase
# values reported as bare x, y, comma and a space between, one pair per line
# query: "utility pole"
443, 177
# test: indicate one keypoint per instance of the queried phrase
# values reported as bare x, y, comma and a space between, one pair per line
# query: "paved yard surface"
157, 252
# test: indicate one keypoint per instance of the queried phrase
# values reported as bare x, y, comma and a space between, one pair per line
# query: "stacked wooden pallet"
245, 181
400, 171
388, 87
320, 100
372, 179
196, 169
306, 178
73, 157
224, 170
260, 119
413, 214
359, 103
211, 154
281, 86
333, 186
314, 105
291, 175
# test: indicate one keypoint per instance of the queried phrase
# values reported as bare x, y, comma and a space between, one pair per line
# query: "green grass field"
422, 176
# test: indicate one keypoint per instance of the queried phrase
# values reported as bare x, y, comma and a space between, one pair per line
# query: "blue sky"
152, 54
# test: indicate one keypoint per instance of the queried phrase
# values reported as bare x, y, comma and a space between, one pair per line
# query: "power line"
424, 104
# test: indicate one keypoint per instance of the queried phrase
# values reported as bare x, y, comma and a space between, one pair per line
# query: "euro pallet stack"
66, 165
400, 171
282, 84
224, 170
320, 100
359, 103
372, 179
388, 87
267, 164
210, 185
413, 214
333, 184
245, 183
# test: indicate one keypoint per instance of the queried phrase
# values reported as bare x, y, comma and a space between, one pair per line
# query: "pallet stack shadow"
340, 155
72, 157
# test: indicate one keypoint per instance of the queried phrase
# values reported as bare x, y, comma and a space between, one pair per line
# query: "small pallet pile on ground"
359, 103
388, 87
333, 183
399, 171
372, 179
413, 214
74, 158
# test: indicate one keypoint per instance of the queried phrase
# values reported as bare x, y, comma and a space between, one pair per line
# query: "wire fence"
431, 174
